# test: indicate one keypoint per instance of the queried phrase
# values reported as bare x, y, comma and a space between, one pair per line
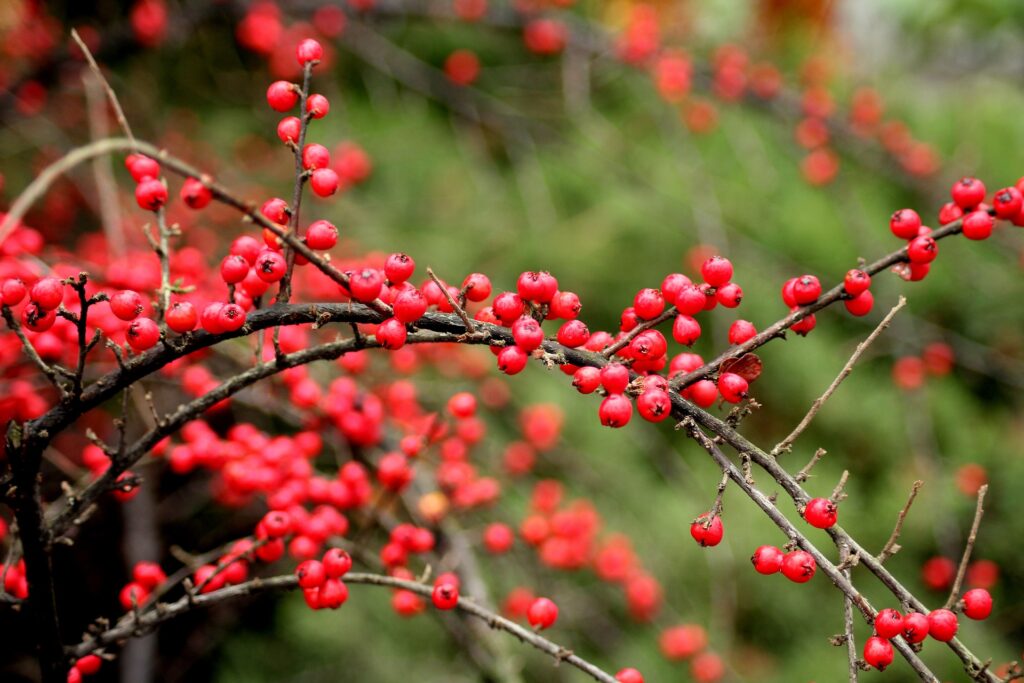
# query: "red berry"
537, 286
889, 623
37, 319
410, 305
528, 333
949, 213
324, 182
233, 269
1008, 202
512, 360
445, 596
767, 559
142, 167
654, 405
732, 387
398, 268
332, 594
315, 156
905, 224
142, 334
573, 333
586, 379
289, 129
150, 194
282, 95
942, 625
856, 281
276, 210
922, 249
915, 627
309, 50
498, 538
977, 603
860, 304
477, 287
878, 652
270, 266
181, 318
741, 331
542, 613
968, 192
629, 676
978, 225
47, 293
821, 513
615, 411
729, 295
321, 235
195, 194
336, 563
615, 378
788, 297
366, 285
12, 291
89, 664
648, 304
799, 566
707, 533
392, 334
565, 305
703, 392
318, 106
148, 574
126, 304
716, 271
806, 290
685, 330
672, 285
311, 574
690, 300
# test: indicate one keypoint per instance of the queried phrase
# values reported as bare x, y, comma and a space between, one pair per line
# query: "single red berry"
318, 106
512, 360
968, 192
150, 194
922, 249
74, 675
573, 333
336, 562
366, 284
528, 333
741, 331
615, 378
127, 305
788, 297
565, 305
806, 290
12, 291
276, 210
315, 156
332, 594
915, 627
1008, 202
729, 295
977, 603
270, 266
629, 676
88, 665
195, 194
47, 293
821, 513
654, 405
392, 334
707, 533
142, 334
142, 167
148, 574
289, 129
477, 287
309, 50
942, 625
732, 387
445, 596
889, 623
672, 285
878, 652
498, 538
36, 318
398, 268
324, 182
133, 594
311, 574
410, 305
860, 304
586, 379
181, 317
949, 213
703, 392
799, 566
685, 330
648, 303
321, 235
767, 559
615, 411
905, 224
276, 523
542, 613
233, 269
690, 300
540, 287
282, 95
716, 271
978, 225
856, 281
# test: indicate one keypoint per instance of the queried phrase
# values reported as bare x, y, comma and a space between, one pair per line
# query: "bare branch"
891, 547
979, 511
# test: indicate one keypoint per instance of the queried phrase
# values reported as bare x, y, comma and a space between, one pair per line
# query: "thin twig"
805, 472
851, 646
891, 547
954, 593
122, 120
786, 444
459, 310
624, 341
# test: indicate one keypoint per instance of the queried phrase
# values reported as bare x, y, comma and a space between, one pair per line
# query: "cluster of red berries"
84, 666
941, 624
798, 566
321, 580
688, 642
146, 578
